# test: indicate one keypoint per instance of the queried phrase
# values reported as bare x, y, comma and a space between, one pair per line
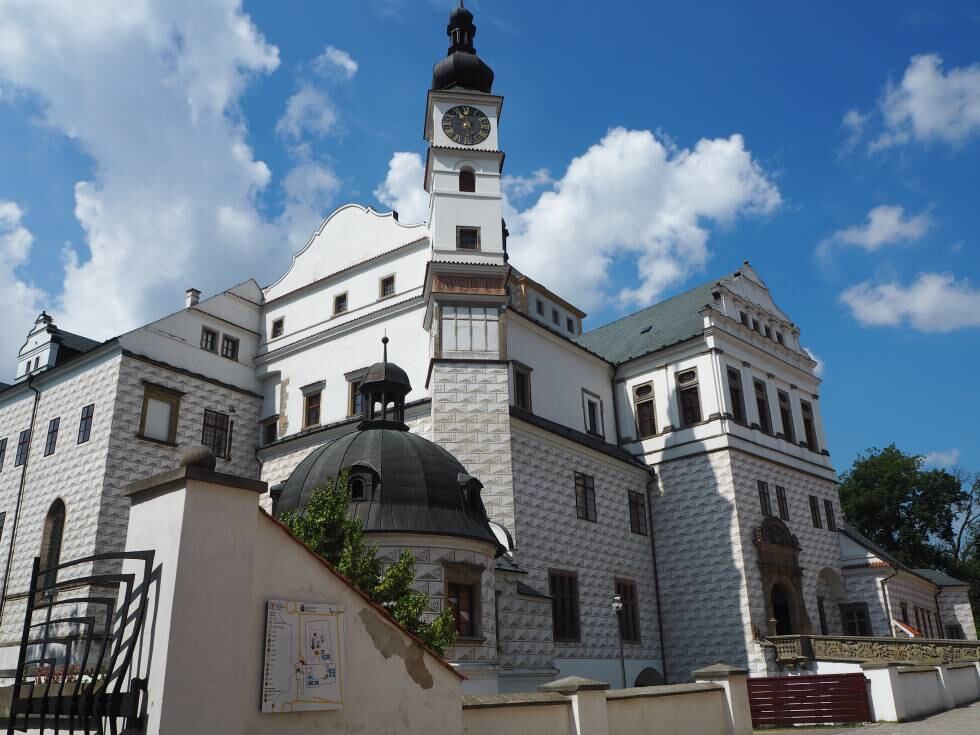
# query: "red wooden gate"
795, 700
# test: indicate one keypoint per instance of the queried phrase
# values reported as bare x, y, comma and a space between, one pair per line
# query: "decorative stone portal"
782, 578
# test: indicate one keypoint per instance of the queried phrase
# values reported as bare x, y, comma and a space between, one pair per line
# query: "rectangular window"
905, 612
643, 404
3, 452
809, 429
782, 503
779, 337
278, 327
743, 317
355, 401
638, 512
51, 441
764, 501
815, 512
955, 632
735, 395
831, 521
209, 339
229, 347
23, 446
593, 415
85, 423
563, 587
570, 324
629, 615
856, 620
689, 398
468, 238
270, 432
522, 387
460, 598
160, 410
786, 416
311, 410
340, 304
216, 433
386, 287
554, 317
762, 404
755, 325
539, 305
470, 329
585, 497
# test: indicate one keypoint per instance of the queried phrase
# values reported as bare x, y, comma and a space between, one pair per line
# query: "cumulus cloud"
516, 187
930, 105
402, 190
886, 225
308, 186
149, 91
933, 302
335, 62
821, 367
20, 302
853, 126
309, 111
946, 458
631, 196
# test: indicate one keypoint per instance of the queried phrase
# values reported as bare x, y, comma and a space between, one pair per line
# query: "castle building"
673, 461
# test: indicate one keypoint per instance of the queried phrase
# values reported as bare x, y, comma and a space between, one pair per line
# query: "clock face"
465, 125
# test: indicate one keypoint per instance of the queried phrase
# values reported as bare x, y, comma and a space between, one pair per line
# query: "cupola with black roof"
462, 67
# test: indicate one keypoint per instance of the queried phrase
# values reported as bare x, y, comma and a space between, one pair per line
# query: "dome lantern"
462, 67
383, 390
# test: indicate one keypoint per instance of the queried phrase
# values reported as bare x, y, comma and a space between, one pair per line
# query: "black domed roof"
411, 485
462, 67
387, 372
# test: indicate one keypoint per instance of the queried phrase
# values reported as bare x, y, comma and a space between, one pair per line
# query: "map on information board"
303, 669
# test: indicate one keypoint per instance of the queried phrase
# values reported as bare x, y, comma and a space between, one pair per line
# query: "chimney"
193, 296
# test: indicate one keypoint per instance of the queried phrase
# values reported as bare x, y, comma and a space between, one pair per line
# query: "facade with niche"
675, 457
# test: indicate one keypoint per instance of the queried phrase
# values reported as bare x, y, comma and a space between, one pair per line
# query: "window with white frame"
469, 328
522, 387
689, 397
592, 412
643, 404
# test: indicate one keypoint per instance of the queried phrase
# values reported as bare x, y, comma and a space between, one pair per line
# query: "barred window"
216, 433
585, 497
23, 446
782, 502
629, 616
638, 512
764, 499
564, 605
51, 441
85, 423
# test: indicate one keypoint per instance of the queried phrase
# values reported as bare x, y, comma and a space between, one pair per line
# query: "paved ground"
962, 721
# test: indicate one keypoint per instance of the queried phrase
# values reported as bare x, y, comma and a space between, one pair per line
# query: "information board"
303, 669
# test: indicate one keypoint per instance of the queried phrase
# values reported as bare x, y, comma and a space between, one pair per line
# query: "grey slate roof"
669, 322
940, 578
76, 341
593, 442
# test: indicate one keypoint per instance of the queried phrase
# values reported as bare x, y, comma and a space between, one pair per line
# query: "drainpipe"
888, 604
939, 615
656, 574
20, 496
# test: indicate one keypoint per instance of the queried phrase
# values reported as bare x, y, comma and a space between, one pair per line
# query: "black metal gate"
83, 621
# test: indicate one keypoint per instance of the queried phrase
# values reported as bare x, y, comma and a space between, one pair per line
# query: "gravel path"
962, 721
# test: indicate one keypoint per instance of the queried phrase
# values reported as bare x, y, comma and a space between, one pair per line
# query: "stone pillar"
589, 713
735, 683
883, 678
190, 651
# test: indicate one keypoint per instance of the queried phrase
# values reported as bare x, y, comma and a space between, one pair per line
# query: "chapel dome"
400, 482
462, 67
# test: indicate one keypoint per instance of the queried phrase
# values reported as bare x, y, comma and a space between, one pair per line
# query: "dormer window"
539, 306
467, 180
356, 486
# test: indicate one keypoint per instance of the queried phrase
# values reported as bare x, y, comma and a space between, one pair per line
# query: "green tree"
326, 526
909, 511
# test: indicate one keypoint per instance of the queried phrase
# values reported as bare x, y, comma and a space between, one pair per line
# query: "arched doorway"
779, 601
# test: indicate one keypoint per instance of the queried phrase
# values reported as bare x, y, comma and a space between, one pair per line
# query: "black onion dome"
408, 485
462, 67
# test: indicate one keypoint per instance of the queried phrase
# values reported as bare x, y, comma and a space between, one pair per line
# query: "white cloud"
946, 458
150, 91
630, 196
853, 126
20, 302
516, 187
309, 111
821, 367
334, 61
886, 225
402, 190
931, 105
933, 302
310, 189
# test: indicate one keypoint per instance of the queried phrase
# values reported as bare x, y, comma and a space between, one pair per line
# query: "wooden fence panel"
795, 700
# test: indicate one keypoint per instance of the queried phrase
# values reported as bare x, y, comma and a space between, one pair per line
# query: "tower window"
85, 423
522, 387
340, 303
386, 287
278, 327
459, 597
815, 512
808, 426
690, 399
831, 520
467, 180
468, 238
470, 329
762, 404
786, 416
735, 395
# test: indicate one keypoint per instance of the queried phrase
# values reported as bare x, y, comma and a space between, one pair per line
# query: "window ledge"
469, 641
164, 442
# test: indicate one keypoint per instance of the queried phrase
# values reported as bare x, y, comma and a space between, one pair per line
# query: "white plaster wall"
921, 693
546, 718
545, 317
560, 373
551, 536
703, 712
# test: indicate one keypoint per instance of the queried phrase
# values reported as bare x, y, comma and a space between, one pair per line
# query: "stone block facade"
954, 607
550, 536
524, 634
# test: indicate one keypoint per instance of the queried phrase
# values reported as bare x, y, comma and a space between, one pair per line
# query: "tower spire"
462, 67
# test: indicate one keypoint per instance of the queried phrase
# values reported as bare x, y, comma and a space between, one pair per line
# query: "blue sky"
147, 147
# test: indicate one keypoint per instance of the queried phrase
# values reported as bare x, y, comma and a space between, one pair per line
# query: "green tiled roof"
651, 329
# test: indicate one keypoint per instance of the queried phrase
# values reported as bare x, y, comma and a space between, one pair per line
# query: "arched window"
467, 180
54, 527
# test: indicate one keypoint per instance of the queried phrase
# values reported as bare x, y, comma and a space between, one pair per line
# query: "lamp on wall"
617, 606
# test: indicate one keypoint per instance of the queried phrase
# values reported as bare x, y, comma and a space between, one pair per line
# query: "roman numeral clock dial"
465, 125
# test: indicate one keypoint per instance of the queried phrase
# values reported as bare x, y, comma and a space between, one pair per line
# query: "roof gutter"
884, 594
20, 496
